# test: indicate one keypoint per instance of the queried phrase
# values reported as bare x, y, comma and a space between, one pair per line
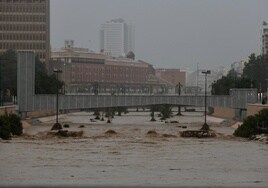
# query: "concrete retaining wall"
223, 112
253, 109
8, 109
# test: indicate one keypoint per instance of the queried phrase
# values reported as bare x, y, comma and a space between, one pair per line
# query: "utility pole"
205, 126
179, 93
57, 126
197, 78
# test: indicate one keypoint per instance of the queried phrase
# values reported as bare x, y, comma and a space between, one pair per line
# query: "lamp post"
57, 125
64, 87
205, 126
179, 93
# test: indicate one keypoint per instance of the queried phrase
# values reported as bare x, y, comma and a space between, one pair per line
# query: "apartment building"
83, 71
174, 76
117, 38
264, 38
25, 25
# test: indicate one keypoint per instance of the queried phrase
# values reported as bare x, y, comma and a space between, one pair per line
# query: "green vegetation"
256, 70
254, 76
5, 130
210, 110
10, 125
119, 110
166, 111
231, 80
8, 72
130, 55
44, 83
250, 125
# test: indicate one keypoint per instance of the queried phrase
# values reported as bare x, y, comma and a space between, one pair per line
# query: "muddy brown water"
129, 157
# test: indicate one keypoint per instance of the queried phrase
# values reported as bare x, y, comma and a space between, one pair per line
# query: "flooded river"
131, 157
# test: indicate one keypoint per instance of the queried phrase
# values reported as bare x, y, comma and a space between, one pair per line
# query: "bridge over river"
29, 101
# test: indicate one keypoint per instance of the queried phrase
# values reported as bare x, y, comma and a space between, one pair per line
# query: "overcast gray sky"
168, 33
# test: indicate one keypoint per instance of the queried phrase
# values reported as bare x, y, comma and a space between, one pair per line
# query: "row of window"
22, 27
25, 46
80, 78
23, 1
22, 36
108, 76
108, 69
86, 60
23, 18
41, 55
23, 8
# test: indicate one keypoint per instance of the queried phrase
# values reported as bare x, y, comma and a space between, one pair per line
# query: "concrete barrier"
253, 109
8, 110
223, 112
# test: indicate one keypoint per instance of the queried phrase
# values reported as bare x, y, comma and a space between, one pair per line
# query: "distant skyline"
117, 37
168, 33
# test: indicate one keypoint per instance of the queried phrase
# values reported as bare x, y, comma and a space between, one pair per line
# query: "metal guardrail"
263, 126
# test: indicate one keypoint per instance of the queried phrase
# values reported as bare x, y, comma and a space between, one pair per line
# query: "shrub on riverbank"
251, 125
5, 132
10, 125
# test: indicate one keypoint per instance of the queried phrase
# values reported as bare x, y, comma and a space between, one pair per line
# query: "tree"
8, 74
44, 83
251, 123
254, 76
231, 80
166, 111
10, 124
130, 55
256, 71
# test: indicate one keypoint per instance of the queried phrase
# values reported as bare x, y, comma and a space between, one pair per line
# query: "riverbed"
132, 157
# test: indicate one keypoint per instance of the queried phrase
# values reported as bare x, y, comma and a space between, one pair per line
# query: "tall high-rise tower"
264, 38
117, 37
25, 25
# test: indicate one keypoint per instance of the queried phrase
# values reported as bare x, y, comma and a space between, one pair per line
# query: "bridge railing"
28, 101
66, 102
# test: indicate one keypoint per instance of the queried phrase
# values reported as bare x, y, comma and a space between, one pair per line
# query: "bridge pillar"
23, 115
240, 114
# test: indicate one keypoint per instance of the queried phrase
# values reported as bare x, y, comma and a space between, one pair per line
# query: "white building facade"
117, 38
197, 79
238, 67
265, 38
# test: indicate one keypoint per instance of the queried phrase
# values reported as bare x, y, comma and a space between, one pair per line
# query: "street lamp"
179, 93
57, 126
205, 126
64, 87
